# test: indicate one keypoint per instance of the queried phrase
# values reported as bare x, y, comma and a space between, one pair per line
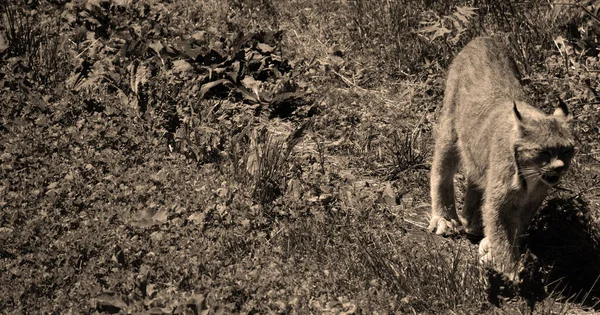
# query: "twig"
88, 47
415, 223
347, 81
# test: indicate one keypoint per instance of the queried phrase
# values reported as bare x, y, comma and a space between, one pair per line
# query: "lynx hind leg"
444, 220
470, 216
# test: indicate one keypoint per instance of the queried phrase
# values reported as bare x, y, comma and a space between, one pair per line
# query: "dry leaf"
109, 302
180, 66
197, 217
206, 87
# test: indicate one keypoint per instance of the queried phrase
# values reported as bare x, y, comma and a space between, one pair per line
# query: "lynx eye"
544, 156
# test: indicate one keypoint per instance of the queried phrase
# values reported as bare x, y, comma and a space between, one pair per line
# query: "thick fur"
511, 153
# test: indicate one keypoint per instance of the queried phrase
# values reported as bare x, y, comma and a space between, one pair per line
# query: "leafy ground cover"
198, 157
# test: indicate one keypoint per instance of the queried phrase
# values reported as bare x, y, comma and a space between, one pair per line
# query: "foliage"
453, 26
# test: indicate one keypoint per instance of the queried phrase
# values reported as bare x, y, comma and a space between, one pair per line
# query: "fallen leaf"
3, 43
208, 86
151, 290
180, 66
109, 302
161, 216
264, 48
199, 36
389, 195
251, 83
157, 47
197, 217
198, 304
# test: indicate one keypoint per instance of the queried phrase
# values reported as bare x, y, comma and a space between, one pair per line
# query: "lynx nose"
557, 165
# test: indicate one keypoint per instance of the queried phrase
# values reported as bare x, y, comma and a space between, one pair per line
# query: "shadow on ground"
567, 242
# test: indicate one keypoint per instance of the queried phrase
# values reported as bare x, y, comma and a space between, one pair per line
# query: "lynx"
511, 153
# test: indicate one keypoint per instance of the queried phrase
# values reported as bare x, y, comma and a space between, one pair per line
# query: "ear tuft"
516, 111
562, 110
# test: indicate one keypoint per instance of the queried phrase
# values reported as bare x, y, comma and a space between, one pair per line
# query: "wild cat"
511, 153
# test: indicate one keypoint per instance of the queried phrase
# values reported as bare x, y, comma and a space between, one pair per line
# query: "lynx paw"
489, 260
442, 226
485, 256
474, 231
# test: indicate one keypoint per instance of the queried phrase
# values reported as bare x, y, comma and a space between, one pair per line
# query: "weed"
21, 33
267, 163
404, 153
39, 43
393, 30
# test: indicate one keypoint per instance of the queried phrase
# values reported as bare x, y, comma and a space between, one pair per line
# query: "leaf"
138, 75
464, 13
109, 302
180, 66
234, 72
3, 43
199, 36
252, 84
264, 48
197, 217
210, 85
161, 216
156, 46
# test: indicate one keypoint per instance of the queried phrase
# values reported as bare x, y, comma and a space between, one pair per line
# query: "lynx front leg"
445, 163
500, 247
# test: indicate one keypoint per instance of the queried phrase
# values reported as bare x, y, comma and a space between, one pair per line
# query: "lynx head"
545, 145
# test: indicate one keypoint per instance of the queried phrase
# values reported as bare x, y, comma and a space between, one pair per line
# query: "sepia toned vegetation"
270, 156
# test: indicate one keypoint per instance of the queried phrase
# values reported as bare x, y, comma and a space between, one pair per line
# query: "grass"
187, 156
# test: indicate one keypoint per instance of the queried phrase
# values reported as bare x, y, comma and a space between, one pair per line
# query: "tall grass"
410, 36
39, 43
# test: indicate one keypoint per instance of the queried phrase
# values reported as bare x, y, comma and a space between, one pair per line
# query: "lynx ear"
516, 111
519, 126
562, 111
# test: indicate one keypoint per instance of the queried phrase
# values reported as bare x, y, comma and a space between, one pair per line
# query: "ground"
265, 156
